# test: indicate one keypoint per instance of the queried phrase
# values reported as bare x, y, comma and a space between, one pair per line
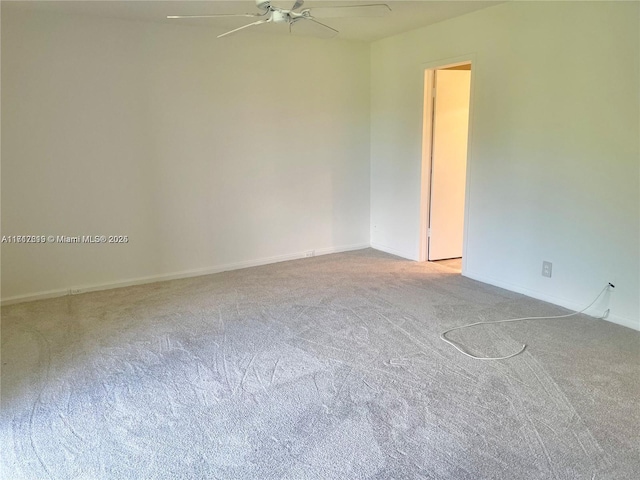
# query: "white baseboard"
178, 275
562, 302
625, 322
30, 297
345, 248
392, 251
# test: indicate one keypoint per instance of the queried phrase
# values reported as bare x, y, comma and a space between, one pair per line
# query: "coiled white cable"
524, 346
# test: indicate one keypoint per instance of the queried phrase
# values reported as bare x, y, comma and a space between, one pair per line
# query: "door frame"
427, 72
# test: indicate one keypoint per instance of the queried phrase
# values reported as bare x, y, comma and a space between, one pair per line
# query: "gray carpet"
323, 368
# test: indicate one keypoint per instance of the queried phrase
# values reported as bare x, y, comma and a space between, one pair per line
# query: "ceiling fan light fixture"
263, 4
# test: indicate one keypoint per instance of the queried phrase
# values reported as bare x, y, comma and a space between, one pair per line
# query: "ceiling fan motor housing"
278, 16
263, 4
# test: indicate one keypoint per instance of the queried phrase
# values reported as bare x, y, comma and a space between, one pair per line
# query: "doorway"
445, 141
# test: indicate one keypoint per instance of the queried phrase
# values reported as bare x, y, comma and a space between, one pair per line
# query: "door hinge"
428, 232
433, 92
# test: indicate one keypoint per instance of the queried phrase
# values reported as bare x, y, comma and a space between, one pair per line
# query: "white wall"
207, 153
554, 154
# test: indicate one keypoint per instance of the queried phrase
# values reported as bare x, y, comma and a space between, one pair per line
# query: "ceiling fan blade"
221, 15
311, 27
259, 22
374, 10
298, 4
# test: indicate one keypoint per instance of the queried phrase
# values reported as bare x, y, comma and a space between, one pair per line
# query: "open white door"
449, 163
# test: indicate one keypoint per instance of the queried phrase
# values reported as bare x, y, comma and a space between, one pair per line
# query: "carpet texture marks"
323, 368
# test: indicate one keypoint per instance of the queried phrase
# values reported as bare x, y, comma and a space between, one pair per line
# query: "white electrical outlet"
546, 269
74, 291
310, 253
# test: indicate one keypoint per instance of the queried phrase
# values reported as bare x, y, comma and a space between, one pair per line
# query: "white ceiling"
405, 16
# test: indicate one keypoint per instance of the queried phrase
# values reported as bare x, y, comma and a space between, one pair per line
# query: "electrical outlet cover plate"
546, 269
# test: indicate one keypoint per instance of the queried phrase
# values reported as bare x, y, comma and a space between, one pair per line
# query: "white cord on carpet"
524, 346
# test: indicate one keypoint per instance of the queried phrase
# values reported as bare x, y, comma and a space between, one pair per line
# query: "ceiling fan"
294, 18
